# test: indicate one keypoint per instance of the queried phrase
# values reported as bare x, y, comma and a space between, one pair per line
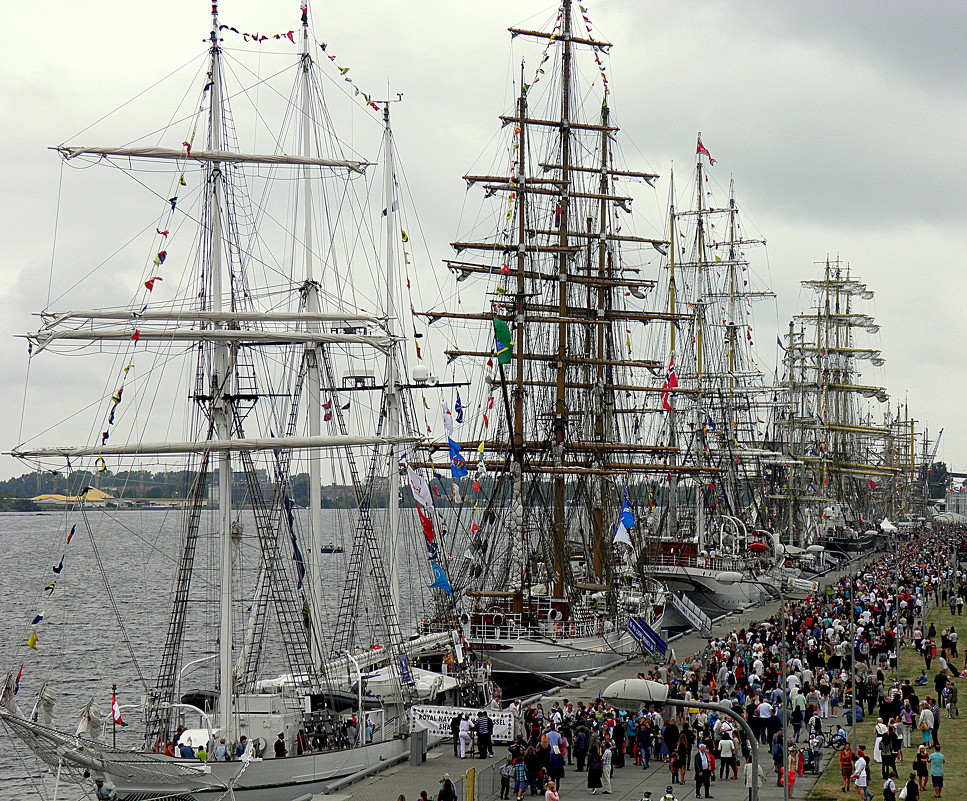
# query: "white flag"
447, 417
419, 488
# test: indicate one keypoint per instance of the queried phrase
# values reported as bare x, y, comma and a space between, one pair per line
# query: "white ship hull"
701, 586
144, 776
284, 779
522, 662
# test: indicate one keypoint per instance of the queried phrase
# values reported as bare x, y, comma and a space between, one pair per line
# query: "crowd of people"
834, 651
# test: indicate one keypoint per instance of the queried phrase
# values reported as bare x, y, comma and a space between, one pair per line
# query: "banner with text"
436, 719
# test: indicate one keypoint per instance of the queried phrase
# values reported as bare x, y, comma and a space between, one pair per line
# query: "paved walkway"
629, 783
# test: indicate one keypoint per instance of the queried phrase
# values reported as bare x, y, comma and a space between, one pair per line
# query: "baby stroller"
812, 758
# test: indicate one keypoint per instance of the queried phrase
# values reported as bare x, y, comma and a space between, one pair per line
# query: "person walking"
506, 774
520, 778
792, 768
846, 766
466, 742
551, 794
594, 770
888, 753
447, 791
937, 760
484, 726
555, 766
455, 733
607, 766
935, 709
747, 774
925, 721
727, 755
703, 772
889, 788
921, 764
912, 788
907, 718
860, 776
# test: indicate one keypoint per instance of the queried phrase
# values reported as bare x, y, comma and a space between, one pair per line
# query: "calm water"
83, 649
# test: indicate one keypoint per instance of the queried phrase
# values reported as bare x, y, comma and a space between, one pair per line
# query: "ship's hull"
147, 776
284, 779
700, 585
522, 665
853, 544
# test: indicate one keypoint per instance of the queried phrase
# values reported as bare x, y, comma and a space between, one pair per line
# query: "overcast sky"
842, 123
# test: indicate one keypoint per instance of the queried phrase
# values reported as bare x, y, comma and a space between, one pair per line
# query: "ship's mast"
517, 434
602, 402
221, 405
391, 387
560, 400
672, 527
313, 356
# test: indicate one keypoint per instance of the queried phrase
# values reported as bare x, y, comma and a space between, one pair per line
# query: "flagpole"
114, 720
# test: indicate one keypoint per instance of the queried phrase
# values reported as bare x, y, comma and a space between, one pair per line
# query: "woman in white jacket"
925, 721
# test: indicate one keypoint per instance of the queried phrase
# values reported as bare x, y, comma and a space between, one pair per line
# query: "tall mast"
672, 527
602, 401
733, 297
518, 434
313, 356
700, 274
391, 388
560, 399
221, 389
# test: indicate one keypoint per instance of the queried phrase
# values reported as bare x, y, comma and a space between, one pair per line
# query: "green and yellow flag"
504, 342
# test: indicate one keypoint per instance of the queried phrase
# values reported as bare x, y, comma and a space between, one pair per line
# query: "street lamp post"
651, 692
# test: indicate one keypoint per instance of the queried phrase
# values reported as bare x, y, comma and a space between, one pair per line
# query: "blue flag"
458, 465
458, 408
625, 523
440, 580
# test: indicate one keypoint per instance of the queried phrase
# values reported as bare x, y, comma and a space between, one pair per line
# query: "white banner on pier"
436, 719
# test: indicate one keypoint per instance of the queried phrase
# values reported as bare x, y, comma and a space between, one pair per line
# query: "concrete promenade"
629, 783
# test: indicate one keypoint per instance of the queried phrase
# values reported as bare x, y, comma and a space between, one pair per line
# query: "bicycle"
835, 740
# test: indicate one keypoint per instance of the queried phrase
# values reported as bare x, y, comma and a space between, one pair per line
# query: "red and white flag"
116, 710
701, 150
671, 382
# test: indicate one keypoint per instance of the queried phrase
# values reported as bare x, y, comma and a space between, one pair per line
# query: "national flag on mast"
504, 343
701, 150
671, 382
116, 711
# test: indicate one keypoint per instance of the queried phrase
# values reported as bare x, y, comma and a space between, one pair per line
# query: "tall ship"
551, 291
259, 339
714, 414
855, 457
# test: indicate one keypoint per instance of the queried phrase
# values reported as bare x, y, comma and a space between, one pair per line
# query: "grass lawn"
953, 734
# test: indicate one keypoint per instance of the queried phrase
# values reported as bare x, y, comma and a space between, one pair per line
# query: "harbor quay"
479, 778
